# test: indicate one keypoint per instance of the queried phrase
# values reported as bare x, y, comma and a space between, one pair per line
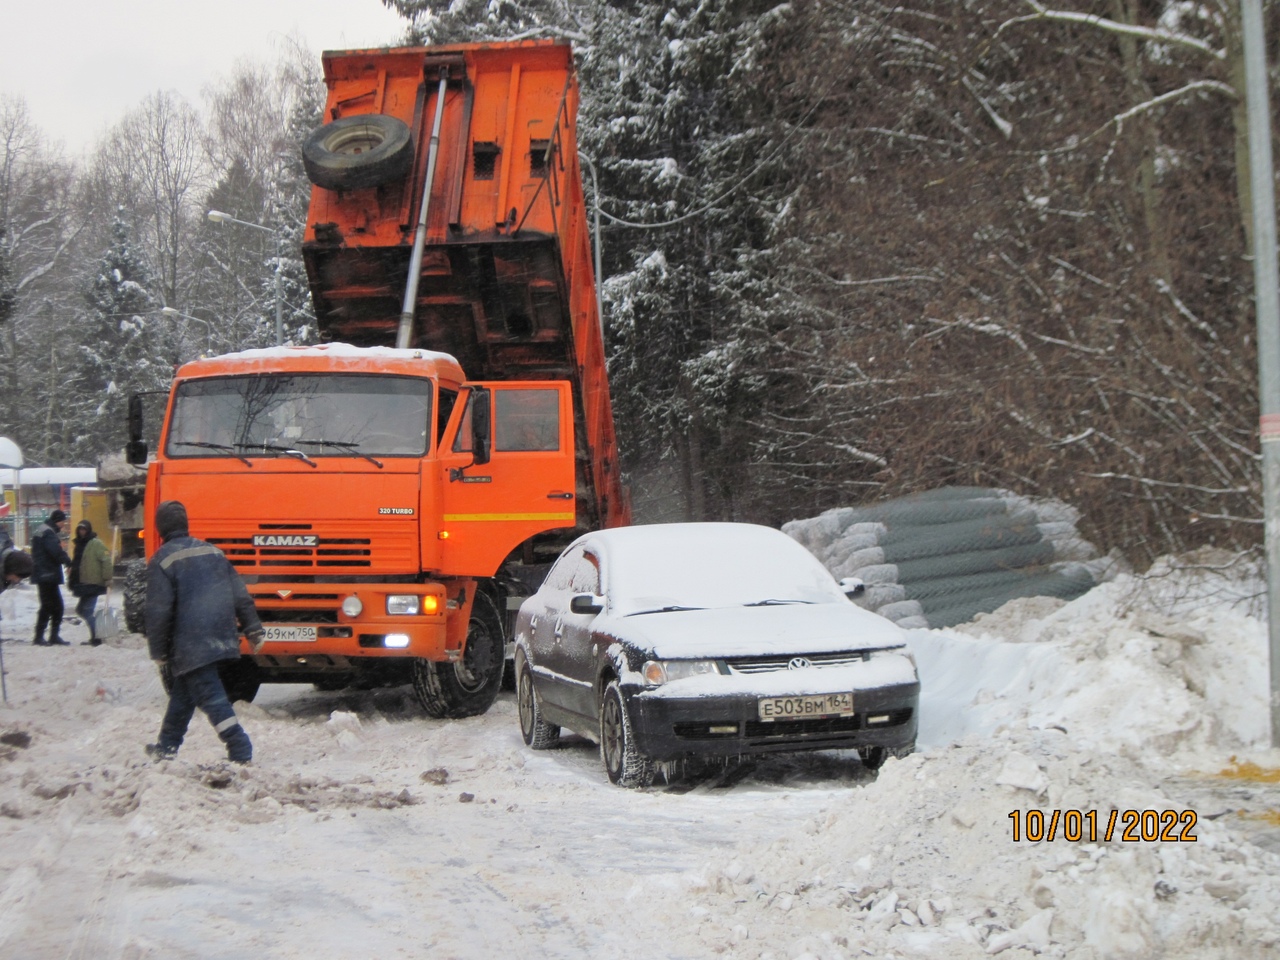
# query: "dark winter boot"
56, 641
39, 641
157, 752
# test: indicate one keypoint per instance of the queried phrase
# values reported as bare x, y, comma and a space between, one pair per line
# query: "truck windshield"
332, 415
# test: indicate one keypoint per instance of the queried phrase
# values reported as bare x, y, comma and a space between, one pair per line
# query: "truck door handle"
557, 495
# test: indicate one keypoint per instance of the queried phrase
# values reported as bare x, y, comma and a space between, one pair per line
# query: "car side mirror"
852, 587
481, 421
586, 603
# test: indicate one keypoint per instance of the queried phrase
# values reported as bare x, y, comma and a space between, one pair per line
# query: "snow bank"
1111, 702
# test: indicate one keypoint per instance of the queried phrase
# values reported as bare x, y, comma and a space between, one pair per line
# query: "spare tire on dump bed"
353, 153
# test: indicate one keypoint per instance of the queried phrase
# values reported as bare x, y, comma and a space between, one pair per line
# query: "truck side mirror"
135, 451
481, 425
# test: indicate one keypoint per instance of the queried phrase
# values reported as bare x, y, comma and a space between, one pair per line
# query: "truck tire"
357, 152
469, 686
135, 596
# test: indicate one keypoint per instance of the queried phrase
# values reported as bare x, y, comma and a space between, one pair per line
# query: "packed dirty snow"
365, 829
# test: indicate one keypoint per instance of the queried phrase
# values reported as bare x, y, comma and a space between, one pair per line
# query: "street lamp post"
217, 216
208, 328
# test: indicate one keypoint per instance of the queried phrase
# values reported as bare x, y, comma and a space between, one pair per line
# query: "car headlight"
657, 672
406, 604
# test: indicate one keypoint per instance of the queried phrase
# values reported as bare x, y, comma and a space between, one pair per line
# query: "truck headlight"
406, 604
657, 672
352, 606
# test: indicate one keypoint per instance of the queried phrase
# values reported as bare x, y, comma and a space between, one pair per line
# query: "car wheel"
537, 733
625, 765
873, 758
352, 153
468, 686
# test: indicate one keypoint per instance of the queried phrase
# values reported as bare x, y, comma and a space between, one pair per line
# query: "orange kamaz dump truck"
389, 495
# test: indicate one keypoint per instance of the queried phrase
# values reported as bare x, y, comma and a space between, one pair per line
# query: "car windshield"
327, 415
663, 568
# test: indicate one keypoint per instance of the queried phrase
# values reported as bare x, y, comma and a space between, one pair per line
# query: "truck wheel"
537, 733
135, 596
357, 152
468, 686
240, 679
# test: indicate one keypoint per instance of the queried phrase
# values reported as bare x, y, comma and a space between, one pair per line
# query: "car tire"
625, 765
468, 686
537, 733
135, 596
353, 153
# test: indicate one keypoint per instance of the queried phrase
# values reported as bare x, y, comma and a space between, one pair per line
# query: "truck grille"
308, 548
772, 664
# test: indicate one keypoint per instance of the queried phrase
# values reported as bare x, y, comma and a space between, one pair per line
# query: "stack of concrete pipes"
939, 558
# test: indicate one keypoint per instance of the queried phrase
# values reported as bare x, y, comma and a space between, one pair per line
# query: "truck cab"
362, 493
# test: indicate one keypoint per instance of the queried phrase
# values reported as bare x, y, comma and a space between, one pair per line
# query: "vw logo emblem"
799, 663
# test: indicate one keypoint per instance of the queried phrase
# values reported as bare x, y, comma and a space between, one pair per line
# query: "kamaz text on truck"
388, 496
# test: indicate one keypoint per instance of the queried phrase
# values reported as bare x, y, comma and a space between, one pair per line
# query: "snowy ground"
363, 829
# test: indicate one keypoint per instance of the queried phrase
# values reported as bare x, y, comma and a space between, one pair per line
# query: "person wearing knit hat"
196, 607
48, 558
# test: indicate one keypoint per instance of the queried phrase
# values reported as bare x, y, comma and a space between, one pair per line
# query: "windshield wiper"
286, 451
774, 603
345, 445
215, 446
671, 609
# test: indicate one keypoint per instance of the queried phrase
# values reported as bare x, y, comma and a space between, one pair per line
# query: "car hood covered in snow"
793, 628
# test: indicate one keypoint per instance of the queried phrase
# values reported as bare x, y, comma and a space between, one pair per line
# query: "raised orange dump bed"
506, 283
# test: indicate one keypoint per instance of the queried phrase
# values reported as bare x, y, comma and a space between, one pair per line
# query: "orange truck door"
526, 486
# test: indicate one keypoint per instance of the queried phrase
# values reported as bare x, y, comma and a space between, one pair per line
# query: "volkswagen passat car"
707, 639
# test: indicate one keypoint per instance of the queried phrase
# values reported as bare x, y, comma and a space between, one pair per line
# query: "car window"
560, 576
585, 576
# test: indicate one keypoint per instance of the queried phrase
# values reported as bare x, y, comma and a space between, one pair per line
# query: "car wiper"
345, 445
284, 451
671, 609
215, 446
774, 603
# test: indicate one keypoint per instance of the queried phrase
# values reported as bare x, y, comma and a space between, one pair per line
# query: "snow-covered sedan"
707, 639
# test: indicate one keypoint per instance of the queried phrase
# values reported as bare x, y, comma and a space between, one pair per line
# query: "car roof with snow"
706, 565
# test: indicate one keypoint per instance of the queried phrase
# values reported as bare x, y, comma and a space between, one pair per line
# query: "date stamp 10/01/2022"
1088, 826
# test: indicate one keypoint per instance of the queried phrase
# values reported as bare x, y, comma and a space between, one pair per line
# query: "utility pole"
1267, 300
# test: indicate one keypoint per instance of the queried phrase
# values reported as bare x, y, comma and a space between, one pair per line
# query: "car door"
547, 632
578, 646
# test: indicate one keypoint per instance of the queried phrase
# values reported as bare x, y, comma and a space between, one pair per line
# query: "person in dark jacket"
49, 558
195, 599
89, 575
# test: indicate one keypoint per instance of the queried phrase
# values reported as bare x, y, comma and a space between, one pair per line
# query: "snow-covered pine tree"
123, 348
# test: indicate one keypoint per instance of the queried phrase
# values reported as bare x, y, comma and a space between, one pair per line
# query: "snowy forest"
851, 250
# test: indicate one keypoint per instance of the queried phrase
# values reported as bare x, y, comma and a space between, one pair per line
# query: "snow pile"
1108, 703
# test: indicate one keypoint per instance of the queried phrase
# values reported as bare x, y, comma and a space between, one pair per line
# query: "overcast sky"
81, 64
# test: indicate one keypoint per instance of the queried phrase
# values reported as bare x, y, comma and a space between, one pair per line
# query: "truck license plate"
801, 708
290, 634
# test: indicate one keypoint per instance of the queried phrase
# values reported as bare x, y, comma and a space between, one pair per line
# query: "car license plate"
801, 708
289, 634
